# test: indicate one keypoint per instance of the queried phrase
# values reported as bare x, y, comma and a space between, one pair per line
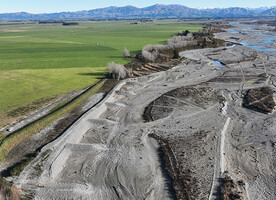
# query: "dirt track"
108, 154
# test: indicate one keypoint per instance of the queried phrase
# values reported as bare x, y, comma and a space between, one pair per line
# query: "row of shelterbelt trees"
150, 52
183, 39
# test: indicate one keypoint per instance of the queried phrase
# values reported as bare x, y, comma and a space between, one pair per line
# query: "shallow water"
231, 46
233, 30
264, 44
218, 63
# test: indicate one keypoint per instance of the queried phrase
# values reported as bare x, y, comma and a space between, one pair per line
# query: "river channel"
259, 37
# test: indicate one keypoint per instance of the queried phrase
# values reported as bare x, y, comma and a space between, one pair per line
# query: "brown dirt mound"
192, 97
229, 189
260, 99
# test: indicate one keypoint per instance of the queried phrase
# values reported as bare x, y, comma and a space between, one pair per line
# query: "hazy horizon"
51, 6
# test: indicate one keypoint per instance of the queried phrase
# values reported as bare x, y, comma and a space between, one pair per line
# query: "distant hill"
261, 9
270, 12
155, 11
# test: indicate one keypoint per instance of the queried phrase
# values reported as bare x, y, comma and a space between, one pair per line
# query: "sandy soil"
198, 122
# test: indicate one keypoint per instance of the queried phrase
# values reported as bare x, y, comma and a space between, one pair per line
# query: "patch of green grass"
32, 106
50, 60
28, 90
92, 44
46, 154
7, 143
60, 105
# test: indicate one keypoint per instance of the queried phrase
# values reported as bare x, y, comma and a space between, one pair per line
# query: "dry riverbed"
183, 133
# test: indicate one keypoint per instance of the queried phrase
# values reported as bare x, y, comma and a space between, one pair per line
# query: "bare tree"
181, 41
117, 71
150, 56
126, 53
149, 52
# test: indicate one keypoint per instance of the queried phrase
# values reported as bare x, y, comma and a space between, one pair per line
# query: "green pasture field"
41, 62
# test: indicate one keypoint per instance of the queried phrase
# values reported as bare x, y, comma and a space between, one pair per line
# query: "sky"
48, 6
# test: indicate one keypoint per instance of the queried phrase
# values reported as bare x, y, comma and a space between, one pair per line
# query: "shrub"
204, 44
175, 54
183, 33
229, 189
126, 53
117, 71
7, 192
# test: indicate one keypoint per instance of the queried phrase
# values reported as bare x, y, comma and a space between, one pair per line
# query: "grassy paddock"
46, 61
7, 143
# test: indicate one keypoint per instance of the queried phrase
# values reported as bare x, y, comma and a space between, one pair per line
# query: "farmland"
41, 62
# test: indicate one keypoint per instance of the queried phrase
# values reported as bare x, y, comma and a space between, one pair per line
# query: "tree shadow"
115, 56
100, 75
19, 166
167, 179
135, 52
217, 192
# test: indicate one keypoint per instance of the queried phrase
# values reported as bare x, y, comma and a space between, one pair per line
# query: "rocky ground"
184, 133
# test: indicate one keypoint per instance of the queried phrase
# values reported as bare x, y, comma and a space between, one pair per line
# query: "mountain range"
155, 11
